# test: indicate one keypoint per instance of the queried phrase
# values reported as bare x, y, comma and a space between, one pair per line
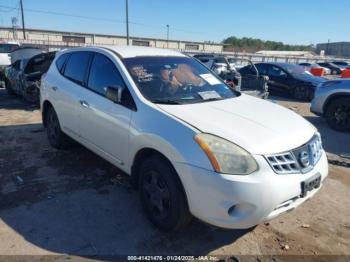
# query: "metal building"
53, 40
338, 49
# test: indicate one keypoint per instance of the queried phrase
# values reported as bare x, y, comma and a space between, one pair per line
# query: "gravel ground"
73, 202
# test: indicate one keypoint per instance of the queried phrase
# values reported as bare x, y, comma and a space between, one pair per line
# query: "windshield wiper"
210, 99
166, 102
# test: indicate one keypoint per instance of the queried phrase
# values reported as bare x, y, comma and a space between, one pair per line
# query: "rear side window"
76, 67
39, 64
60, 61
103, 74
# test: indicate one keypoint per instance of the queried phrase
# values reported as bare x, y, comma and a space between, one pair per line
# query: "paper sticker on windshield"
212, 80
206, 95
141, 74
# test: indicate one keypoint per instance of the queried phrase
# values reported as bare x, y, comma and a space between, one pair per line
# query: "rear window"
76, 67
40, 64
60, 61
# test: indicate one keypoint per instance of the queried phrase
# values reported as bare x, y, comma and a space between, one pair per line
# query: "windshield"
176, 80
7, 48
295, 69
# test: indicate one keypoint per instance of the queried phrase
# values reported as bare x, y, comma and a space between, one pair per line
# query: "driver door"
104, 125
278, 78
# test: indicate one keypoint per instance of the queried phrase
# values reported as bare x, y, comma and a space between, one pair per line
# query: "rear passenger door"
104, 125
66, 91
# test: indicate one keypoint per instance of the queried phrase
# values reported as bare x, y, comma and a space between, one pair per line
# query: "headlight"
225, 156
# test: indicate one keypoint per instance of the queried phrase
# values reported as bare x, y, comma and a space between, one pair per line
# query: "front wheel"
162, 195
57, 138
338, 114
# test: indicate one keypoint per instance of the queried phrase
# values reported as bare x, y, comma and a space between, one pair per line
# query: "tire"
162, 195
334, 72
56, 137
301, 93
338, 114
8, 87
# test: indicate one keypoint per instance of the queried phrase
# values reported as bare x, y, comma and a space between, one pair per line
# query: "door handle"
84, 103
54, 88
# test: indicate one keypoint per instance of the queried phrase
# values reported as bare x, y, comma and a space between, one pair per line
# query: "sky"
288, 21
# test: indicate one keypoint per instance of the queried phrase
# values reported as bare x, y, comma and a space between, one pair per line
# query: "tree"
254, 44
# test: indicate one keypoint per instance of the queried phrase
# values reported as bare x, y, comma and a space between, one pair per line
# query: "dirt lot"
75, 203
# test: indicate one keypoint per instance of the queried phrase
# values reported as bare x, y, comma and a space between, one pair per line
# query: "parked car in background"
335, 70
23, 76
332, 101
32, 73
309, 66
221, 67
341, 64
290, 79
252, 82
5, 60
193, 145
216, 63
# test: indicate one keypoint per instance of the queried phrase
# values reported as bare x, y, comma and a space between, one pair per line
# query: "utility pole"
23, 26
127, 21
167, 36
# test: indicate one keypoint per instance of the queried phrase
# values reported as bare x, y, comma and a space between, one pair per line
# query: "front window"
7, 48
176, 80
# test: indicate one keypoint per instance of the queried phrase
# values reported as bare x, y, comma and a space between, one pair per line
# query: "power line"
100, 19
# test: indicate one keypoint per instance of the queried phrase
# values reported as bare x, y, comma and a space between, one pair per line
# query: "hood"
5, 59
314, 80
259, 126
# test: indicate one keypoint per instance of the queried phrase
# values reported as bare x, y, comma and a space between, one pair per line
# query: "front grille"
283, 163
299, 160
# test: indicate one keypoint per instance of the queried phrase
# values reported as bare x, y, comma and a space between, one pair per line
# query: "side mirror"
114, 93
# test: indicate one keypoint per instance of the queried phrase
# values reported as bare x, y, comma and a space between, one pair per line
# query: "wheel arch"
140, 156
332, 98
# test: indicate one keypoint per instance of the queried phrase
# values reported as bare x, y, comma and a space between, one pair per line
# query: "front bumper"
232, 201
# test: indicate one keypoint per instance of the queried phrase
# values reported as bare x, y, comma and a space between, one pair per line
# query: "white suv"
194, 146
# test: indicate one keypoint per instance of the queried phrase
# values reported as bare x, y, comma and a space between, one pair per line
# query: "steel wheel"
162, 195
55, 135
157, 194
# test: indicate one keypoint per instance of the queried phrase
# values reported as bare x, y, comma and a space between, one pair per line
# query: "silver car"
332, 101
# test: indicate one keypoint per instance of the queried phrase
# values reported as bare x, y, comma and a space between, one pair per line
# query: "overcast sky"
289, 21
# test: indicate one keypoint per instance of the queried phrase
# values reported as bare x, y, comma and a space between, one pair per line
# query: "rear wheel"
301, 93
57, 138
338, 114
162, 195
334, 72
